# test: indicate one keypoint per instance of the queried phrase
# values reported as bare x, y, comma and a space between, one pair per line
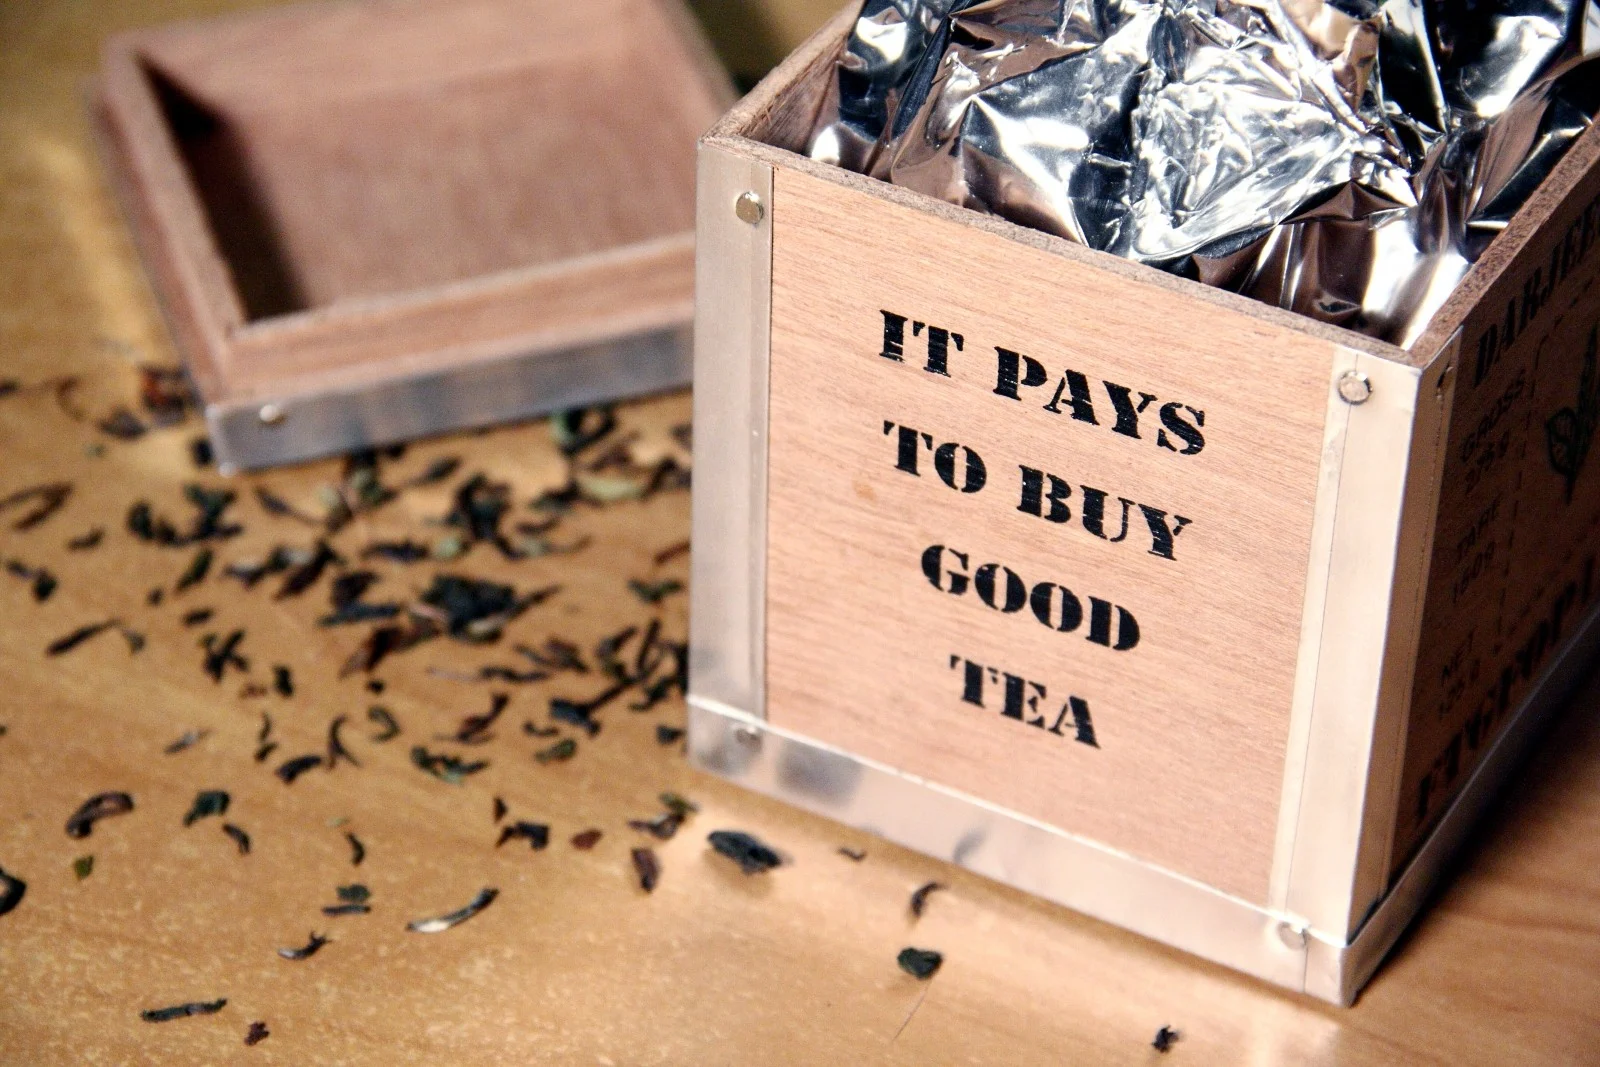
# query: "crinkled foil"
1346, 161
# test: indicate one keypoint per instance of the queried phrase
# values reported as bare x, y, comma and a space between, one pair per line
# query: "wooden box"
1190, 613
376, 219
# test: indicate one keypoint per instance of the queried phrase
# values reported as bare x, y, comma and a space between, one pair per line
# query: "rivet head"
749, 208
271, 414
1355, 387
1292, 936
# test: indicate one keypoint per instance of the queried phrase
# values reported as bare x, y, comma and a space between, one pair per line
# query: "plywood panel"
866, 653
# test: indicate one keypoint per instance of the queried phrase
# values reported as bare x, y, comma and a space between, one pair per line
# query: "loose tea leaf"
855, 854
668, 735
200, 452
919, 899
306, 951
540, 731
207, 803
198, 616
354, 893
647, 867
275, 505
921, 964
435, 472
386, 640
671, 552
12, 890
282, 681
122, 424
500, 809
296, 767
222, 654
85, 541
680, 806
196, 572
180, 1011
188, 740
1165, 1038
257, 1033
358, 851
663, 827
397, 551
82, 867
559, 752
473, 610
306, 574
134, 638
537, 834
50, 497
44, 583
586, 840
62, 645
100, 806
337, 910
336, 749
474, 728
445, 767
380, 715
654, 592
744, 849
577, 428
240, 838
484, 898
251, 572
165, 394
556, 655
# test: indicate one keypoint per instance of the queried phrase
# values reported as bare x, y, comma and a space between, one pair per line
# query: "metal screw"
1292, 936
749, 208
1355, 387
271, 414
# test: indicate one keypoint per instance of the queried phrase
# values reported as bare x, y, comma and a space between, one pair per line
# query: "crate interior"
343, 152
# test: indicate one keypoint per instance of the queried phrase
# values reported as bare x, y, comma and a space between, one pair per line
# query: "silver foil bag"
1346, 161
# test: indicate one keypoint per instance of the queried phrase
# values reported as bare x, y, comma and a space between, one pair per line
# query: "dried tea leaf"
336, 749
43, 582
559, 752
296, 767
304, 576
920, 963
855, 854
445, 767
577, 428
250, 572
671, 552
196, 572
390, 727
556, 655
437, 471
257, 1033
606, 489
654, 592
181, 1011
207, 803
62, 645
473, 610
747, 851
222, 654
397, 551
919, 899
306, 951
500, 809
647, 867
12, 890
239, 837
662, 827
275, 505
100, 806
537, 834
122, 424
200, 452
680, 806
134, 638
358, 851
350, 587
198, 616
50, 497
282, 680
337, 910
155, 596
1165, 1038
540, 731
484, 898
354, 893
165, 394
586, 840
82, 867
449, 547
375, 686
85, 541
386, 640
474, 728
668, 735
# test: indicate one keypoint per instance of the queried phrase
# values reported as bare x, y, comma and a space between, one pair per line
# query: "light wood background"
572, 964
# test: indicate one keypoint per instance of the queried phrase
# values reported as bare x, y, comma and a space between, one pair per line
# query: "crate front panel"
1514, 568
1018, 504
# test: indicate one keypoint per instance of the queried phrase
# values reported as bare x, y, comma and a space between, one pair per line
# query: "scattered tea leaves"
282, 681
48, 498
500, 809
386, 640
100, 806
537, 834
678, 805
668, 735
358, 851
251, 572
62, 645
586, 840
197, 570
85, 541
336, 749
662, 827
354, 893
238, 836
919, 899
12, 890
559, 752
337, 910
445, 767
435, 472
275, 505
306, 951
294, 768
484, 898
854, 854
746, 850
82, 867
181, 1011
389, 727
198, 616
257, 1033
207, 803
304, 576
474, 728
222, 654
406, 551
577, 428
43, 582
654, 592
920, 963
647, 867
1165, 1038
472, 610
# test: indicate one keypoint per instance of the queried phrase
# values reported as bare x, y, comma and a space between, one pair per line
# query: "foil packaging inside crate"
1212, 619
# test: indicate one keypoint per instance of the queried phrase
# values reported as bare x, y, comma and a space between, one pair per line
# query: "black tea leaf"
484, 898
747, 851
920, 963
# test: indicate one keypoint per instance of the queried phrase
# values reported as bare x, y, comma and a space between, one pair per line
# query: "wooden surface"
572, 964
860, 643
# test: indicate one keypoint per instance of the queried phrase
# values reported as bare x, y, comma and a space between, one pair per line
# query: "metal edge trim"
996, 843
244, 436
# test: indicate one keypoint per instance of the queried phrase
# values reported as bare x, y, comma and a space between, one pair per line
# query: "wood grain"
572, 964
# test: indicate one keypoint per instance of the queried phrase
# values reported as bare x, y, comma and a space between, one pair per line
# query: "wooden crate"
375, 219
1201, 617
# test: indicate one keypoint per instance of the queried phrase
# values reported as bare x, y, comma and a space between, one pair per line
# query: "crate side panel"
1514, 562
1183, 537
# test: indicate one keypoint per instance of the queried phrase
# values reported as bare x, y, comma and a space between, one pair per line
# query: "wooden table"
573, 963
